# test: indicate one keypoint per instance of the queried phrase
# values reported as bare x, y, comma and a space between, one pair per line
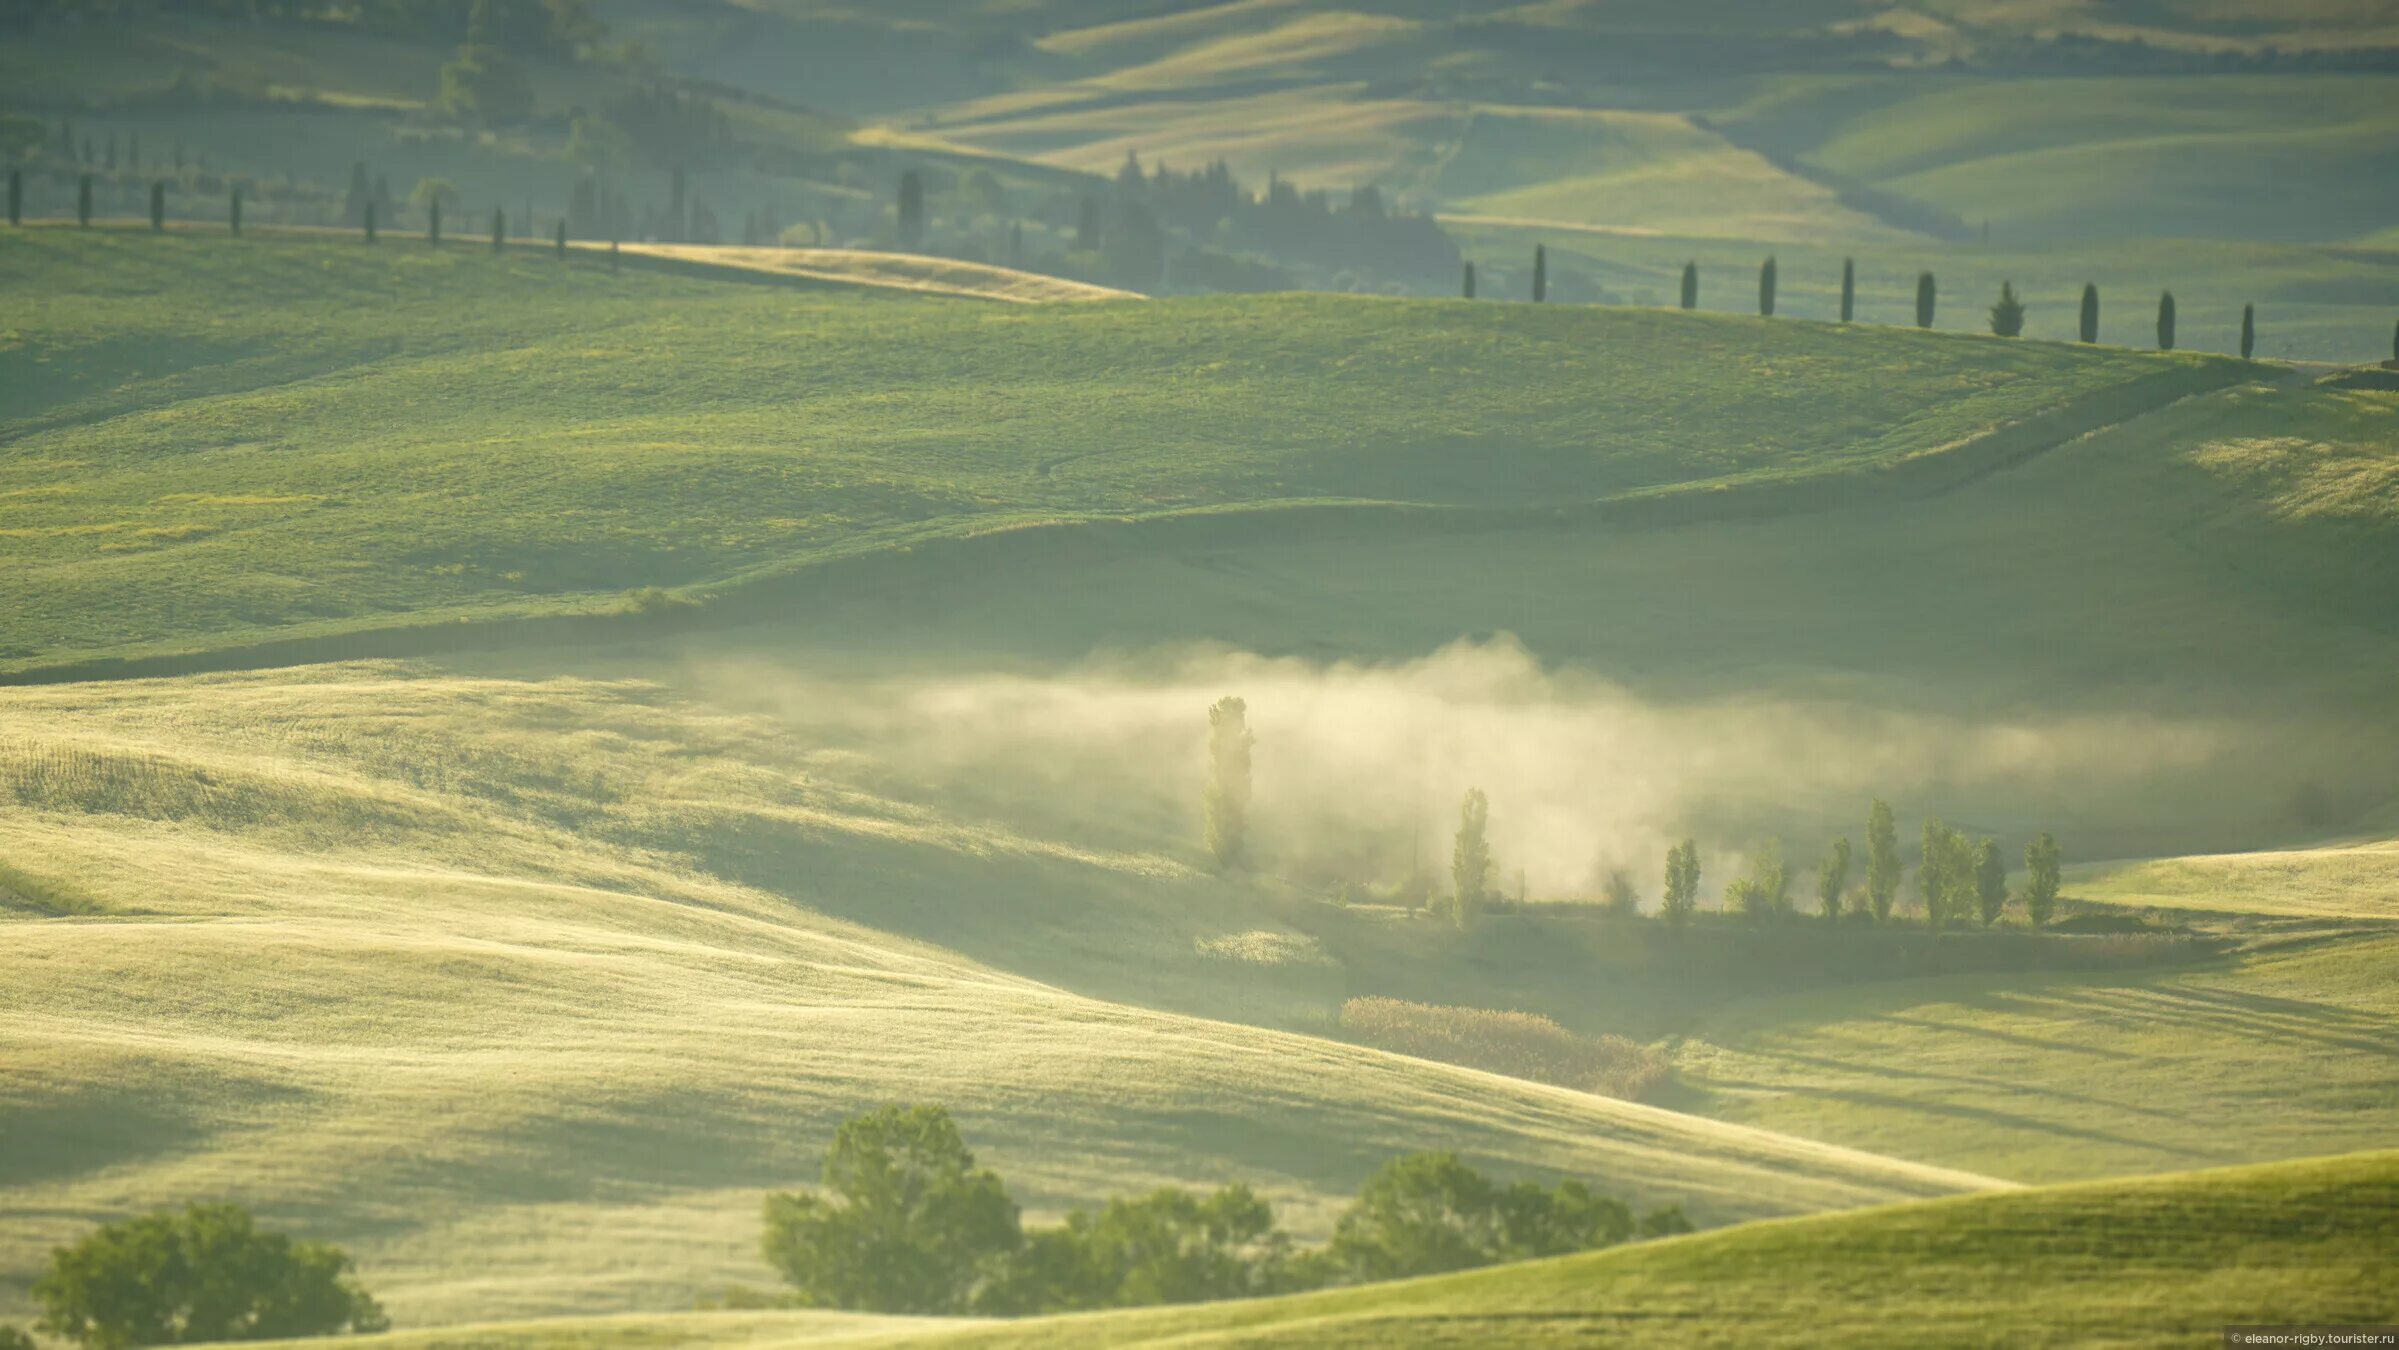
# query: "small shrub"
1521, 1045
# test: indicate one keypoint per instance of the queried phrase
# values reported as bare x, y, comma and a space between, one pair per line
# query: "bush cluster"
905, 1222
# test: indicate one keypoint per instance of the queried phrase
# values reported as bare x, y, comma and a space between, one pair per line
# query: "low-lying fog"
1357, 766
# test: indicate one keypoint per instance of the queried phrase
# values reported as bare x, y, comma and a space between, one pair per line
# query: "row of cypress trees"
158, 213
2007, 315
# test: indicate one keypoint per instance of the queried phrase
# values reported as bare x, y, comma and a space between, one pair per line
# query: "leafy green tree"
1832, 878
1169, 1246
2041, 879
2007, 314
1945, 875
1470, 858
1691, 285
1766, 288
1668, 1221
1925, 295
1990, 882
1765, 892
1882, 859
1225, 803
15, 1338
1682, 883
1534, 1222
1540, 273
205, 1274
1420, 1215
904, 1223
1618, 893
2090, 312
2248, 331
1849, 289
912, 210
2165, 321
485, 84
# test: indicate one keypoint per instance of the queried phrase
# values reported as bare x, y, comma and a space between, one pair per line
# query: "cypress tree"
83, 200
1849, 289
1691, 285
2248, 330
1540, 274
158, 206
433, 221
912, 210
16, 197
499, 229
562, 237
1467, 288
2165, 322
1766, 288
368, 220
1925, 294
235, 214
2395, 344
2090, 312
2007, 316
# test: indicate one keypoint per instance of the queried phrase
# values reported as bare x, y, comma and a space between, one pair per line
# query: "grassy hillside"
2073, 1077
2347, 881
230, 439
2164, 1261
525, 989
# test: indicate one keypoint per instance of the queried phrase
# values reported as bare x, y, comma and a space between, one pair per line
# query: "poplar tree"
1990, 882
1470, 857
1882, 858
2090, 312
1225, 803
2041, 879
1832, 877
1682, 883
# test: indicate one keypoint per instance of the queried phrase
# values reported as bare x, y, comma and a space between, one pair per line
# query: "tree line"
1960, 880
906, 1222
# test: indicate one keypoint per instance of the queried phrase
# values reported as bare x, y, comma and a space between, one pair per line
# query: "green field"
2164, 1261
314, 437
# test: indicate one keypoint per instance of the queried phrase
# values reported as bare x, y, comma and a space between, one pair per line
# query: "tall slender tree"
1849, 289
1466, 289
1691, 285
912, 210
1832, 878
158, 205
1470, 858
16, 197
1882, 859
433, 221
499, 229
2165, 321
234, 212
1540, 273
2090, 312
2040, 879
369, 219
1936, 873
83, 200
1682, 883
1766, 287
1925, 294
2248, 331
1224, 805
561, 241
1990, 882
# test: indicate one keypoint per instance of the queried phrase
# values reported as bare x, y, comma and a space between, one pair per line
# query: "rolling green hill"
229, 440
2164, 1261
525, 989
